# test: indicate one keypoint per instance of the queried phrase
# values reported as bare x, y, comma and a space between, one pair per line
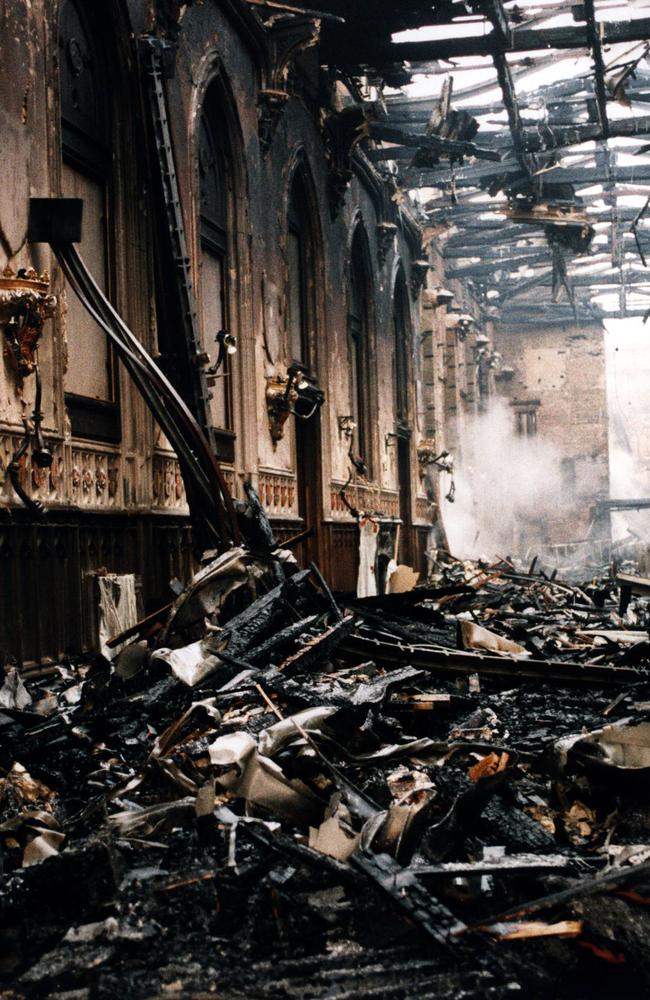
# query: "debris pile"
270, 793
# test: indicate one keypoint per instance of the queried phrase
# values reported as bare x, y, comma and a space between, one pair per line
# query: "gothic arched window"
87, 148
401, 326
300, 266
358, 342
214, 179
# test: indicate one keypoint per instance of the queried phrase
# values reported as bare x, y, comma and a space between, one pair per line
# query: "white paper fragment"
251, 776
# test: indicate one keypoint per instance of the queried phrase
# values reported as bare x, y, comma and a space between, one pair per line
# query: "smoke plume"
509, 488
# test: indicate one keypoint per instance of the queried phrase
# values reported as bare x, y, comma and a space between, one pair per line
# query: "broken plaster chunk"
476, 637
247, 774
190, 664
402, 580
335, 836
13, 693
311, 720
44, 845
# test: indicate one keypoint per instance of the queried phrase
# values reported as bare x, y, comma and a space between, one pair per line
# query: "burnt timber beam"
488, 263
561, 38
631, 280
556, 314
495, 218
432, 143
568, 175
499, 21
496, 253
403, 146
154, 52
460, 663
515, 288
574, 135
494, 264
415, 107
599, 66
535, 314
477, 231
470, 241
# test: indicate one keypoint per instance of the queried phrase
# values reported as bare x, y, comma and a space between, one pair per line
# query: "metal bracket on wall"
157, 56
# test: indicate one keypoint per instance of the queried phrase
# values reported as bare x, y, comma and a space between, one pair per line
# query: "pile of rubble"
269, 793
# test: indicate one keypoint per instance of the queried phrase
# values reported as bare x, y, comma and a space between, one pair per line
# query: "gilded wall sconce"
290, 394
25, 304
444, 462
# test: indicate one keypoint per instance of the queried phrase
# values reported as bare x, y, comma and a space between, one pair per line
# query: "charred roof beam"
568, 37
495, 13
599, 65
431, 143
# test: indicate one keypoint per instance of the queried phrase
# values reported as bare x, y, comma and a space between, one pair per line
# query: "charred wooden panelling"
48, 597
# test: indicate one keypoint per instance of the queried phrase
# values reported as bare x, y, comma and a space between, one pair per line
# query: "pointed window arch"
87, 150
402, 332
215, 184
358, 342
301, 307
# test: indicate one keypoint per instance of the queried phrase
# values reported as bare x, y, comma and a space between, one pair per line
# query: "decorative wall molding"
95, 479
342, 130
364, 497
80, 475
386, 232
277, 491
419, 271
167, 484
424, 509
46, 484
285, 37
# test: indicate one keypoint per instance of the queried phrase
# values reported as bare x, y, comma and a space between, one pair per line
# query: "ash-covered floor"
272, 793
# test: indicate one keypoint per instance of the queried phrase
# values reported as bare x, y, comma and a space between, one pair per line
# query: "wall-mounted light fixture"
428, 455
347, 426
227, 344
290, 394
444, 462
25, 304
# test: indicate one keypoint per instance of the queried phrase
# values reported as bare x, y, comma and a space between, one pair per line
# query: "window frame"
299, 225
90, 154
526, 416
214, 239
402, 359
358, 336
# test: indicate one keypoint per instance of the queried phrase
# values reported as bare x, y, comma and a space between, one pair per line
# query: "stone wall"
559, 374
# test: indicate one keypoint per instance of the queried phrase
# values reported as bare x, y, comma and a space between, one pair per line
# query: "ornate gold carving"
25, 303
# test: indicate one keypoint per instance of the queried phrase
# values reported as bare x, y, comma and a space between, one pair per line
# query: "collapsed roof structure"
518, 130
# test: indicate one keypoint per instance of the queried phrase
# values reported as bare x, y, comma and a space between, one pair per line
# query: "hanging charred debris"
269, 793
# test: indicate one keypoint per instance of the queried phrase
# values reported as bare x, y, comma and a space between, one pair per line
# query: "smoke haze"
507, 488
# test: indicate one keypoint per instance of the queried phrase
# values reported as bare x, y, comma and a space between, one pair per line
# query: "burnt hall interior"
324, 498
